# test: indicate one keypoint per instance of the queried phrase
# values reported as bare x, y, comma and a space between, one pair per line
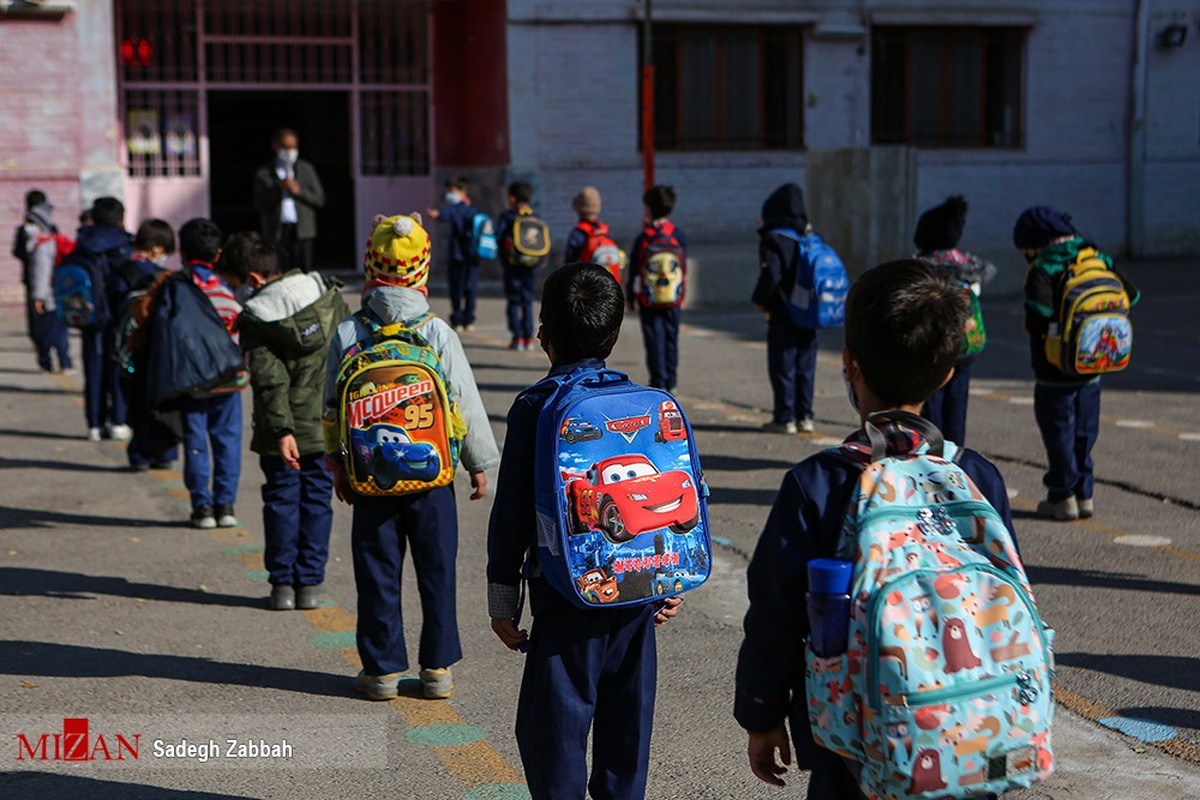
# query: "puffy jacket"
286, 329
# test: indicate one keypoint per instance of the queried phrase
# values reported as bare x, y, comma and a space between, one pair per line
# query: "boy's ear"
255, 280
850, 365
946, 380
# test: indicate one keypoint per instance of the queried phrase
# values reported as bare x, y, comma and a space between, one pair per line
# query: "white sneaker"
120, 433
806, 425
780, 427
93, 434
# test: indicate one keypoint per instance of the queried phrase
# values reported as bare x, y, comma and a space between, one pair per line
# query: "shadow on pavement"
50, 660
48, 786
716, 463
11, 518
14, 388
66, 466
1175, 717
71, 437
726, 496
77, 586
1179, 672
1106, 580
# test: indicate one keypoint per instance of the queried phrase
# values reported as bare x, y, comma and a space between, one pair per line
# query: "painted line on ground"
1091, 710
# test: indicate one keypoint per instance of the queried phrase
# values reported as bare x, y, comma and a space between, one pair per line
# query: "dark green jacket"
286, 328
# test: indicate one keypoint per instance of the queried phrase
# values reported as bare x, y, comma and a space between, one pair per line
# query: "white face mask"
851, 396
453, 198
288, 156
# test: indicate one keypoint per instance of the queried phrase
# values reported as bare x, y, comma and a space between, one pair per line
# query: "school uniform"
586, 669
660, 326
520, 284
462, 264
103, 394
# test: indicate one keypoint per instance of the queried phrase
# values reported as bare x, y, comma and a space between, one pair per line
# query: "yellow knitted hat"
398, 252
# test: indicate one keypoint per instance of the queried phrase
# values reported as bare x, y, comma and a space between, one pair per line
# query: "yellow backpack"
1092, 334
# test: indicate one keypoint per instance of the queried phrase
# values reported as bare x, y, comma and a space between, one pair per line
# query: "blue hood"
102, 238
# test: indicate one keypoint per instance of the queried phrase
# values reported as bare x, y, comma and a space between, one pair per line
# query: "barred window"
395, 132
161, 134
158, 40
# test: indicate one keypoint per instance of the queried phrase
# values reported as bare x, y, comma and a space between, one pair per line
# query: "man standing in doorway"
287, 194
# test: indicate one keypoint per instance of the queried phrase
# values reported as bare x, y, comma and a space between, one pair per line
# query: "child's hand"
289, 452
341, 483
761, 752
479, 484
507, 630
670, 607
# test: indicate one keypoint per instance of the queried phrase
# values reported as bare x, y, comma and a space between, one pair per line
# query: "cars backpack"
398, 428
600, 248
79, 293
621, 501
945, 689
483, 237
818, 296
661, 268
1093, 333
528, 242
974, 333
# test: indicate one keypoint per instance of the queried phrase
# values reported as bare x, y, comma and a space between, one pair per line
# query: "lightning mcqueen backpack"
661, 268
622, 506
399, 431
945, 689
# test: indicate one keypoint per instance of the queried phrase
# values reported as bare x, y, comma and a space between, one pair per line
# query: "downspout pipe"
1135, 195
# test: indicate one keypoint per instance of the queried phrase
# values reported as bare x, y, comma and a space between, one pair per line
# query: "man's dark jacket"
268, 194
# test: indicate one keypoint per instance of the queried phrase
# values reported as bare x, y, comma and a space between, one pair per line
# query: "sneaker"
470, 326
378, 687
283, 598
516, 344
1062, 511
437, 684
225, 517
93, 435
1087, 507
161, 464
780, 427
310, 597
529, 344
139, 466
120, 433
203, 518
806, 425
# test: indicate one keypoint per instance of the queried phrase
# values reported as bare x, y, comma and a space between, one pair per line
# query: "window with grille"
158, 40
161, 133
946, 86
393, 41
728, 87
395, 133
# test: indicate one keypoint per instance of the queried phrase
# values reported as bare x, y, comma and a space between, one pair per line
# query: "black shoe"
202, 517
283, 598
310, 597
161, 464
225, 517
140, 466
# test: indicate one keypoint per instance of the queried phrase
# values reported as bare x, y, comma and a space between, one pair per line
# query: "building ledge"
35, 9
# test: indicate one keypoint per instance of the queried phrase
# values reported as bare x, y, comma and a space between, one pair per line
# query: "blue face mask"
244, 293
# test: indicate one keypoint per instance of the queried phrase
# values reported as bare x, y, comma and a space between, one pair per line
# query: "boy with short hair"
397, 269
586, 668
215, 419
1066, 407
38, 236
519, 282
660, 318
904, 323
285, 328
22, 250
461, 262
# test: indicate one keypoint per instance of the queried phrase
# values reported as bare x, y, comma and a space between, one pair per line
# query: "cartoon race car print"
674, 582
578, 430
670, 423
596, 586
626, 495
391, 456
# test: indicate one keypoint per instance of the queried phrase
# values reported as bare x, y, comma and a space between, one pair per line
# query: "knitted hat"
587, 202
941, 227
1039, 226
398, 252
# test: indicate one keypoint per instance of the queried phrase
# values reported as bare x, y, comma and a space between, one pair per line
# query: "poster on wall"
142, 134
181, 135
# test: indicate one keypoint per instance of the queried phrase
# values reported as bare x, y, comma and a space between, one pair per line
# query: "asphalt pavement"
115, 611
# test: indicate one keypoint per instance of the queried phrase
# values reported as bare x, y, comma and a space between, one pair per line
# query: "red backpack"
599, 248
63, 245
661, 268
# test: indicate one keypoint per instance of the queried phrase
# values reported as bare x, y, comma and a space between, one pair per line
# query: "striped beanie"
398, 252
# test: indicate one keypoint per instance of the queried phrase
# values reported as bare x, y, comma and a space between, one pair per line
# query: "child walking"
590, 241
462, 264
519, 280
657, 284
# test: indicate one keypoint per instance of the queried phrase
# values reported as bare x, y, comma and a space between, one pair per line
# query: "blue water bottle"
829, 605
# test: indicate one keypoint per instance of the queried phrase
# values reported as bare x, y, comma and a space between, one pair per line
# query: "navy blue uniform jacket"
804, 524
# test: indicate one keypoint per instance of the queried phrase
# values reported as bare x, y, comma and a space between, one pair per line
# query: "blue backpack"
945, 688
818, 296
483, 237
80, 296
621, 500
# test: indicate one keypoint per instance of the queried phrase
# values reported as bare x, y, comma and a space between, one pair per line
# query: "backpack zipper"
950, 694
955, 508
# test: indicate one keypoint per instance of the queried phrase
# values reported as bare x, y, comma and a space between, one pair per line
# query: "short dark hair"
85, 217
154, 233
521, 191
459, 182
582, 308
200, 240
235, 255
108, 211
33, 198
660, 200
279, 133
904, 325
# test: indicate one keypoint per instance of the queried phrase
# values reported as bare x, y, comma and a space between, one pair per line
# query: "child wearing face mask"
462, 264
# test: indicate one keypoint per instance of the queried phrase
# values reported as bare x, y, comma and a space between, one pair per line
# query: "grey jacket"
268, 194
393, 304
40, 256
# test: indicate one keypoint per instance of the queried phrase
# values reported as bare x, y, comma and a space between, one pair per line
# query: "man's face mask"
288, 155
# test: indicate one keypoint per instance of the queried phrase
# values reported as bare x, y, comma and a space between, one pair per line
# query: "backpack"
945, 690
818, 296
600, 248
126, 333
400, 431
79, 290
1093, 333
63, 245
974, 333
528, 242
620, 497
662, 268
483, 237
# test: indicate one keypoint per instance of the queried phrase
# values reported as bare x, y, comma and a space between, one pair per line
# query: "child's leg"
118, 410
835, 782
625, 710
431, 522
196, 469
316, 519
528, 287
781, 368
281, 519
512, 297
956, 394
225, 429
93, 378
61, 342
1054, 410
671, 319
806, 371
654, 340
1087, 430
455, 275
470, 289
40, 330
378, 550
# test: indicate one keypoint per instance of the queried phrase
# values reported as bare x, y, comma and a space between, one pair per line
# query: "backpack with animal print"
944, 690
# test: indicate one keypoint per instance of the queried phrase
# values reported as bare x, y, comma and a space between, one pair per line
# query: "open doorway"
240, 124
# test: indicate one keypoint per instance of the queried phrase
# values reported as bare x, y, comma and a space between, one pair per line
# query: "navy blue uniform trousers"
947, 407
217, 422
297, 519
383, 529
49, 334
587, 669
791, 366
464, 285
660, 335
1068, 417
103, 395
519, 284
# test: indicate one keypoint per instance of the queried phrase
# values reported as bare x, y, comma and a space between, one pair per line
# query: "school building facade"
881, 109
